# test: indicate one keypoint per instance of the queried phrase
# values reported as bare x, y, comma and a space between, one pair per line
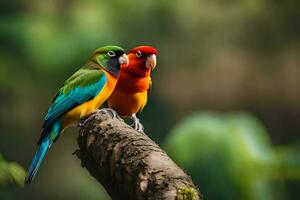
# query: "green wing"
82, 86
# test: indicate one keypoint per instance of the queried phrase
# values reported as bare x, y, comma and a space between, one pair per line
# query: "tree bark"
128, 163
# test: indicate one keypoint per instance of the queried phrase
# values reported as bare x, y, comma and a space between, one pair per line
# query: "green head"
111, 58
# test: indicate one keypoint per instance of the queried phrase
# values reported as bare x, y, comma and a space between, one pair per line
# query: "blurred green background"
225, 103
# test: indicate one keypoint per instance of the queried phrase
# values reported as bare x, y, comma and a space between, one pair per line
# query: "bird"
134, 85
81, 95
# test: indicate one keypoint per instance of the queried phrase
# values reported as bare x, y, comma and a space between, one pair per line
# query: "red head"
142, 60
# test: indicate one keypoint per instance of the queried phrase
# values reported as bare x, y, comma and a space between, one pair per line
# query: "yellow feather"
73, 116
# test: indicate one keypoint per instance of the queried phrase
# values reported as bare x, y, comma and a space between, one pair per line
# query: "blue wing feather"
65, 101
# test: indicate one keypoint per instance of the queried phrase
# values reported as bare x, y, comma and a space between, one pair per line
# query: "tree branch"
128, 163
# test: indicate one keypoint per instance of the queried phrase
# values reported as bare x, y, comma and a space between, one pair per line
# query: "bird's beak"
123, 60
151, 61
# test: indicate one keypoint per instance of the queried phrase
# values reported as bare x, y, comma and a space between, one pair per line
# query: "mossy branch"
128, 163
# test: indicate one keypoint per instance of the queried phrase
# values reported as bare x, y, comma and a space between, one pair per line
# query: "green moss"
186, 194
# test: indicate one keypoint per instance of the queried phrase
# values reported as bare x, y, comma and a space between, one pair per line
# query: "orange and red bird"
134, 85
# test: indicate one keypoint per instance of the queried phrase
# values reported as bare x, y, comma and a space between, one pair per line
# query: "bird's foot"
113, 113
137, 124
83, 121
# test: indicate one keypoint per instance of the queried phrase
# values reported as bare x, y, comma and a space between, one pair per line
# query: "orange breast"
130, 94
127, 104
129, 83
85, 109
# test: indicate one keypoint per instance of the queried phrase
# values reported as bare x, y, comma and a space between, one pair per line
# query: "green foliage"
11, 173
229, 157
289, 162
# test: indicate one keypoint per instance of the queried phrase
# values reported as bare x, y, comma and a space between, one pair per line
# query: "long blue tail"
49, 136
37, 160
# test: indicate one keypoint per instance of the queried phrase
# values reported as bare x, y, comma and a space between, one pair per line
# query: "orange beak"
124, 61
151, 61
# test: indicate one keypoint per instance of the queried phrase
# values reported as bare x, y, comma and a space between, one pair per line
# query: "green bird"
82, 94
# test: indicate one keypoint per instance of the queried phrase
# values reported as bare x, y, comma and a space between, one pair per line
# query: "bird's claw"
139, 127
137, 124
113, 113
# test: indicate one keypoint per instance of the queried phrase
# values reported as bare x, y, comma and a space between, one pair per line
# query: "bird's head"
142, 60
111, 58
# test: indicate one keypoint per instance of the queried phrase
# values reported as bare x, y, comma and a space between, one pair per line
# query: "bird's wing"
149, 89
148, 95
79, 88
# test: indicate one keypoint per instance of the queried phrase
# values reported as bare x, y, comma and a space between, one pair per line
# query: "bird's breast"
127, 104
131, 84
87, 108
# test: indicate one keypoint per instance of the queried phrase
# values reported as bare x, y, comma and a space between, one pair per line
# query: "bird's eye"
139, 54
111, 54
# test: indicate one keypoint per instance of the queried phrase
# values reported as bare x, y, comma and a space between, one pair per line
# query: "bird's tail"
37, 160
45, 143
